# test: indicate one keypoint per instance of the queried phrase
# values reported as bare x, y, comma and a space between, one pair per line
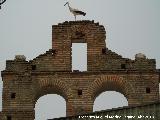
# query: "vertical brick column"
17, 97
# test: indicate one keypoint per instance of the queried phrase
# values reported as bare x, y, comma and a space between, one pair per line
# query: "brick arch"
110, 83
52, 86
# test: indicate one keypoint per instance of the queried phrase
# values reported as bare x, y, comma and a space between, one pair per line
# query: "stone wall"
146, 112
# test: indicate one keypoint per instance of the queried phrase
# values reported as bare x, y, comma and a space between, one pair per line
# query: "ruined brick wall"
99, 57
29, 88
78, 32
26, 81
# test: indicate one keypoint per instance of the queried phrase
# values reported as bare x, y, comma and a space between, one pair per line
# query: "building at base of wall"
145, 112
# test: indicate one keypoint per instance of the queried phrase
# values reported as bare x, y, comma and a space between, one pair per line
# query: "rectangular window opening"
148, 90
79, 92
123, 66
13, 95
79, 56
33, 67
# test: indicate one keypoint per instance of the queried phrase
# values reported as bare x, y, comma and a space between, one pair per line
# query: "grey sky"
25, 28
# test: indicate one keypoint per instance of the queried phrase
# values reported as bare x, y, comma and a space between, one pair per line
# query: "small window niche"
79, 92
33, 67
54, 51
148, 90
123, 66
13, 95
104, 51
9, 118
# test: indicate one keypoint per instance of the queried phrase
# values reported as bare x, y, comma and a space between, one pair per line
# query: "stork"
1, 2
75, 11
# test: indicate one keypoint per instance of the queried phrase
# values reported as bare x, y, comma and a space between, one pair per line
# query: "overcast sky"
25, 28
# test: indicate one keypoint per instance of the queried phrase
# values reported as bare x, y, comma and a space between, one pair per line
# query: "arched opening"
50, 106
109, 100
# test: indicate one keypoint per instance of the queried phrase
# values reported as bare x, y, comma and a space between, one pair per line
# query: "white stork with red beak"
75, 11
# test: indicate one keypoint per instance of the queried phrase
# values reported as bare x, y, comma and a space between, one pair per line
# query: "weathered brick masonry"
24, 82
0, 115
